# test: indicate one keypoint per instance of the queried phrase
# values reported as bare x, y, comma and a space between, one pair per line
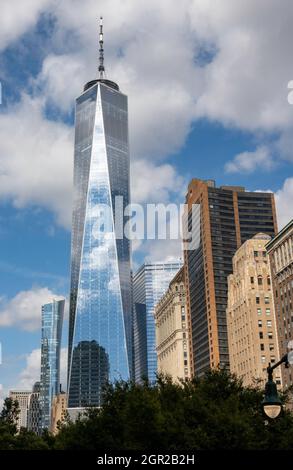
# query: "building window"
255, 254
270, 335
268, 311
259, 311
263, 359
269, 281
259, 280
260, 335
252, 280
257, 300
267, 300
260, 323
272, 347
262, 347
269, 323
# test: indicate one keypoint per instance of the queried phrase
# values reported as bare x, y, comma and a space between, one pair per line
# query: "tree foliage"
214, 412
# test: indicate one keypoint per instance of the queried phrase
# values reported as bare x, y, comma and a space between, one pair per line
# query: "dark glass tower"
100, 343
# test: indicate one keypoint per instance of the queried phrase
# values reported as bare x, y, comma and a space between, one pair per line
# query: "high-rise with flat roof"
228, 216
52, 321
150, 283
23, 399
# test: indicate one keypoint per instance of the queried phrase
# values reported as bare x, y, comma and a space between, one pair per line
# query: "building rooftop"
279, 235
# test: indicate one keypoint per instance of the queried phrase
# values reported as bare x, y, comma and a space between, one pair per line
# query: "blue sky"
207, 90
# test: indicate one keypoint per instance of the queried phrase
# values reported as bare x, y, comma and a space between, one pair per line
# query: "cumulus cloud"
153, 51
32, 370
14, 21
36, 159
155, 183
24, 310
247, 162
284, 198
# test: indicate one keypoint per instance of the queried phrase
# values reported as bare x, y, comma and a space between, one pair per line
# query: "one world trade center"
100, 345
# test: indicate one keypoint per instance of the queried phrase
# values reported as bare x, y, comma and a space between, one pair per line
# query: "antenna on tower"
101, 50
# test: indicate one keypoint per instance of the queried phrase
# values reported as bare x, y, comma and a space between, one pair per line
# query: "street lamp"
272, 404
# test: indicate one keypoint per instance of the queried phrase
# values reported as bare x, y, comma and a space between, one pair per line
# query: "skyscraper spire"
101, 69
101, 50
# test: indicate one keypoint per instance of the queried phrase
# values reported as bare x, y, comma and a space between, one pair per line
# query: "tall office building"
228, 216
172, 335
150, 283
251, 323
52, 320
23, 398
100, 332
34, 410
280, 250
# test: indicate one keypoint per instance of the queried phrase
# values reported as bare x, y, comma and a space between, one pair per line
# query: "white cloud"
155, 183
152, 67
36, 159
284, 198
247, 162
150, 51
17, 19
162, 250
31, 373
246, 83
32, 370
24, 310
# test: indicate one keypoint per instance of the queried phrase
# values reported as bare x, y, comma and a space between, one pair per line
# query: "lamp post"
272, 404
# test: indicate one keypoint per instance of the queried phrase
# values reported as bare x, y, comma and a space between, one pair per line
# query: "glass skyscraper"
100, 340
150, 283
52, 320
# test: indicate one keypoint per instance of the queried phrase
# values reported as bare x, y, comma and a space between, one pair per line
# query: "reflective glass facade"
52, 320
100, 341
149, 284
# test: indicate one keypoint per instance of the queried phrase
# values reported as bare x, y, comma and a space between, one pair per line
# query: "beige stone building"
23, 399
251, 324
58, 411
280, 250
172, 335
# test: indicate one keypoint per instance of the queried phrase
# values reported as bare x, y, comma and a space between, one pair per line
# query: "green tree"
214, 412
10, 413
